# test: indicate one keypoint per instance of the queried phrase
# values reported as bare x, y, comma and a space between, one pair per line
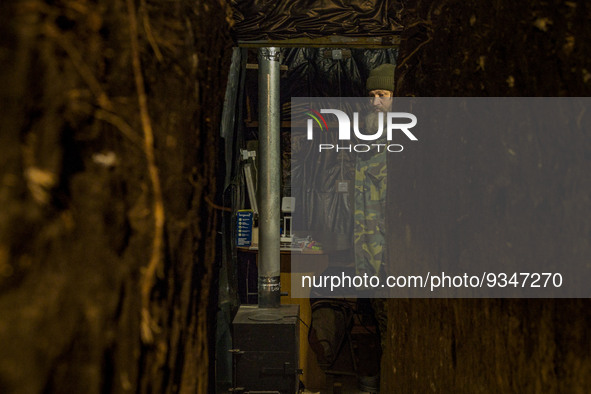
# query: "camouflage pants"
369, 218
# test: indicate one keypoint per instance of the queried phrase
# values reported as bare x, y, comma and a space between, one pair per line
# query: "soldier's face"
381, 100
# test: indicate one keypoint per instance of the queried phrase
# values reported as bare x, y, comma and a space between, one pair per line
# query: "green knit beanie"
381, 77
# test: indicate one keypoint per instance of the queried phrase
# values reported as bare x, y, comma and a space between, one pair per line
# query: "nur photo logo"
389, 122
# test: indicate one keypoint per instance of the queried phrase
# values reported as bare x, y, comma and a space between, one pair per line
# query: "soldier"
370, 192
370, 181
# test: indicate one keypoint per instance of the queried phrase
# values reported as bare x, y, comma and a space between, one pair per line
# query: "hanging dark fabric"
288, 19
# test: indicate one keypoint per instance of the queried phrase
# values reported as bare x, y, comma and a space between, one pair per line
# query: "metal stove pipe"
269, 178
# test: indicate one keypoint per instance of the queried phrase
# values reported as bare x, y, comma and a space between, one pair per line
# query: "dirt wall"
504, 48
108, 162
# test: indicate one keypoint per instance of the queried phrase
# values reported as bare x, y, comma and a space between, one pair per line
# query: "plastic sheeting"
288, 19
318, 72
314, 72
314, 177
